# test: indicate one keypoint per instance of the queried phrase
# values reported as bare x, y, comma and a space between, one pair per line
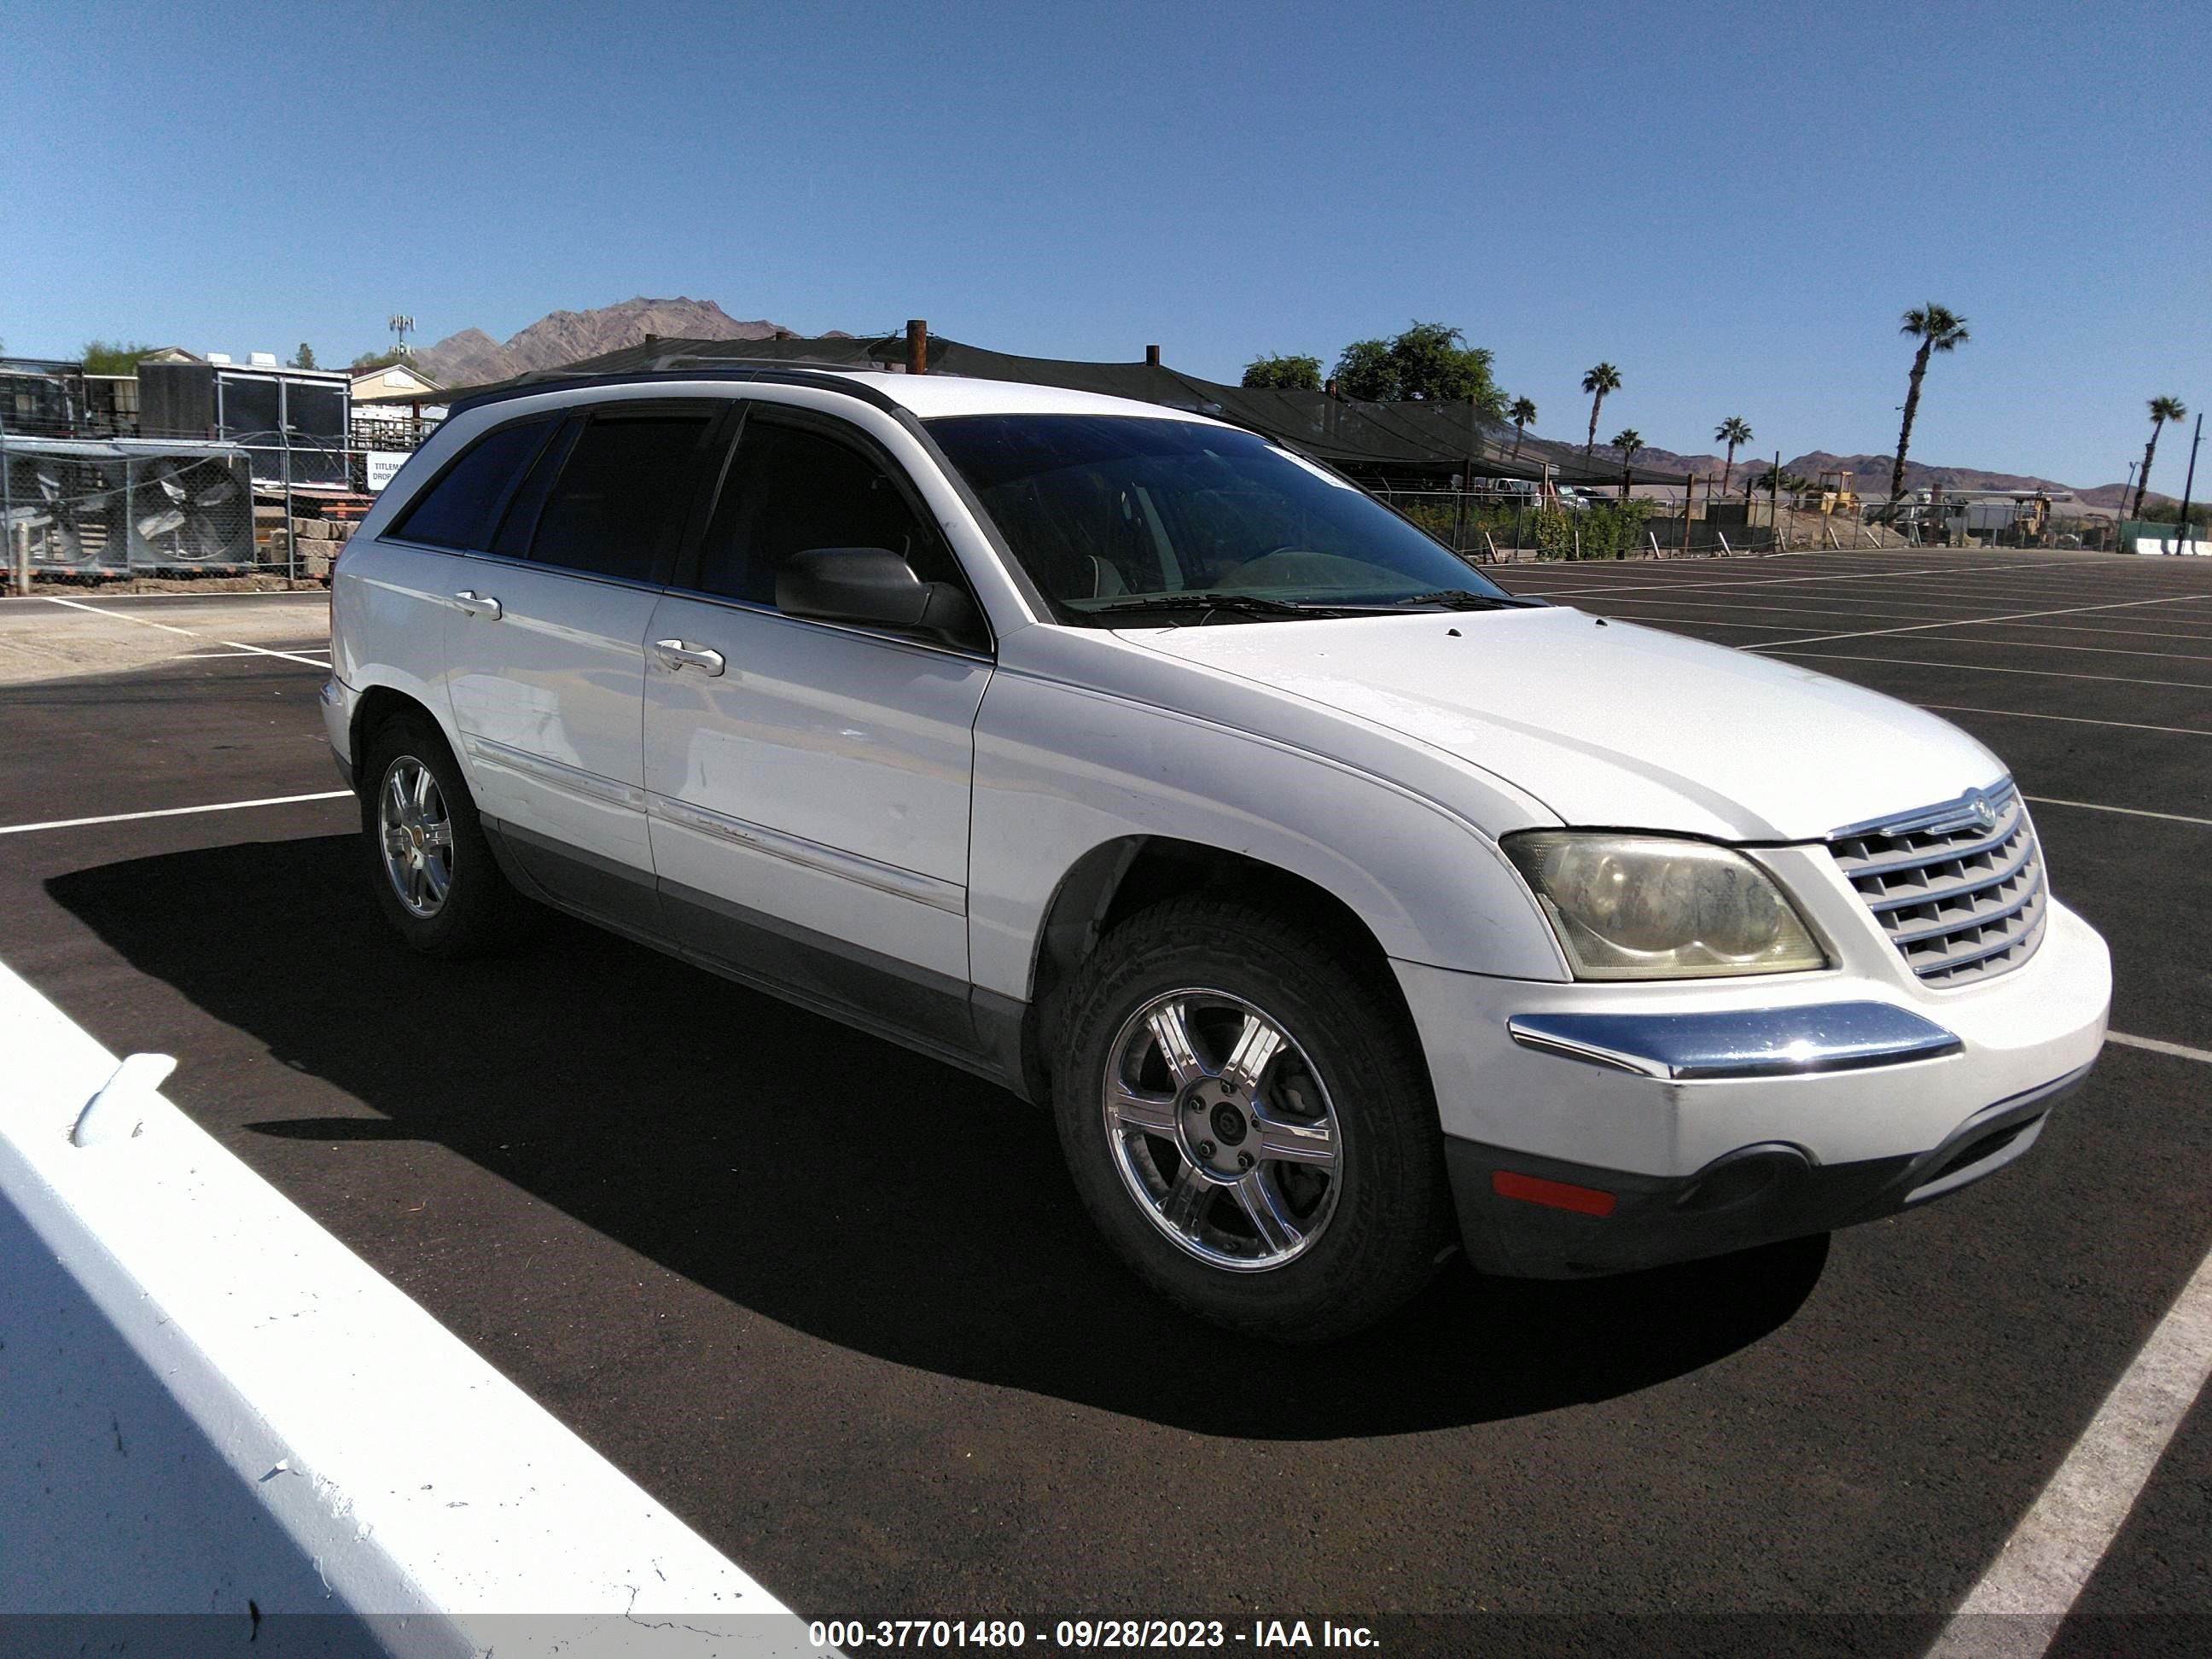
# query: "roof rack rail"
776, 373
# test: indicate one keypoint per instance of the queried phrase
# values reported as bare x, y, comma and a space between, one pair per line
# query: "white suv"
1338, 904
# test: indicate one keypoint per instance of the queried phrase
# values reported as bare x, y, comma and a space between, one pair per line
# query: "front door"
808, 782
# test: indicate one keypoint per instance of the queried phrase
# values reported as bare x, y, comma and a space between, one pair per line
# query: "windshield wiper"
1241, 604
1459, 598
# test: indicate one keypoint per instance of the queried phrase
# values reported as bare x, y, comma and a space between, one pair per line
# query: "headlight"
1642, 907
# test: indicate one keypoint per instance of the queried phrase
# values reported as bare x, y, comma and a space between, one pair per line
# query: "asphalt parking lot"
836, 1306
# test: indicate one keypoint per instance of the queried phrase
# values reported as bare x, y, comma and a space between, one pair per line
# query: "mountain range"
1868, 475
472, 357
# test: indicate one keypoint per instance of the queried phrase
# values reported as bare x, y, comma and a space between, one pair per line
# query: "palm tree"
1627, 441
1733, 431
1938, 328
2162, 410
1521, 414
1597, 382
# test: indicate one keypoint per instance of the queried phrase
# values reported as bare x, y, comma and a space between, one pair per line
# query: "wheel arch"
1118, 879
377, 707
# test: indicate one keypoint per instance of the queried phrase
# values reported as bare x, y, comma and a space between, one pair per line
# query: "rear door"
544, 644
809, 781
391, 593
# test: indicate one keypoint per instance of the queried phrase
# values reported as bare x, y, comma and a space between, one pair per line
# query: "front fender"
1062, 769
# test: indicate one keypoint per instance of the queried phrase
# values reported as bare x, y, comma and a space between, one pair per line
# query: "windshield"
1107, 512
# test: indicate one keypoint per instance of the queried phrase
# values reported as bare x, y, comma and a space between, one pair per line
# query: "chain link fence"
1508, 526
91, 509
88, 507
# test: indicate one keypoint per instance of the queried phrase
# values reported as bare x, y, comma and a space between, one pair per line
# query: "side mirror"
873, 586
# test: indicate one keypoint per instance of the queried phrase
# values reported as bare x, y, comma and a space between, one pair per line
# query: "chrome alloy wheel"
1222, 1130
416, 835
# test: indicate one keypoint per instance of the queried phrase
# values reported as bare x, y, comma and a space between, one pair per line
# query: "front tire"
1250, 1122
432, 868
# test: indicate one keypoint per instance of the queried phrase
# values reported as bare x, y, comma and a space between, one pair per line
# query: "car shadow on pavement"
830, 1181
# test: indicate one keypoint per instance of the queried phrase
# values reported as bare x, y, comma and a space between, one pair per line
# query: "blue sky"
1732, 203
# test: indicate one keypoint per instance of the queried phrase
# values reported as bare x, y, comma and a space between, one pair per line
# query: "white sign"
382, 465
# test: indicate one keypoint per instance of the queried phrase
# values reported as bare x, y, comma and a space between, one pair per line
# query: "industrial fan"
201, 513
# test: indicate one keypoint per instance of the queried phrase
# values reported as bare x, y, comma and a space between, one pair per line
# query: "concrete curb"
207, 1401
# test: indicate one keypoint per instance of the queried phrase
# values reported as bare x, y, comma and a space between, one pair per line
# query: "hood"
1611, 724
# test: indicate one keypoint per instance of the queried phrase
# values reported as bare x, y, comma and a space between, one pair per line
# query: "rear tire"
1299, 1199
432, 867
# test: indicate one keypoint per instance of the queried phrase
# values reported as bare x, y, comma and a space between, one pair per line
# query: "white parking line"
2179, 1051
2071, 720
119, 616
248, 651
1787, 581
1984, 668
2016, 616
174, 812
1908, 588
2026, 1593
1946, 639
238, 645
2203, 636
1915, 608
2126, 811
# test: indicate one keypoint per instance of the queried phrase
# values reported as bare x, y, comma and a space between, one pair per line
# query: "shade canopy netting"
1432, 439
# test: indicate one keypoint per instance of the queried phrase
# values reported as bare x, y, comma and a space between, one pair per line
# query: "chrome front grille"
1958, 888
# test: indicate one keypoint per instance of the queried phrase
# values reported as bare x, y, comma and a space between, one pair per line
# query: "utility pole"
2189, 483
1774, 500
917, 346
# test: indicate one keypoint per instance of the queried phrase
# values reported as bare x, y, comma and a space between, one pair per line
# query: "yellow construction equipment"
1833, 493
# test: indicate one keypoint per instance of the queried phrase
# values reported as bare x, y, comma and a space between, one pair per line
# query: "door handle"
676, 656
479, 605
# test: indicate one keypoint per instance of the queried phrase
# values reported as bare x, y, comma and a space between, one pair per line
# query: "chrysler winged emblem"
1984, 814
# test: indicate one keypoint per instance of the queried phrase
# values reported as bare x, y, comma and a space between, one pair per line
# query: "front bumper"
1707, 1117
1755, 1195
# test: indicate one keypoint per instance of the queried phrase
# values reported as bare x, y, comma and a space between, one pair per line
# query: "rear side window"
460, 509
619, 507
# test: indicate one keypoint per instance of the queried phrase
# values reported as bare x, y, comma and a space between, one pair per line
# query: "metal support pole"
21, 563
1688, 490
291, 533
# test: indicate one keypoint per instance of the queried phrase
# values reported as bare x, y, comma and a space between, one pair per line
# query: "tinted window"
457, 510
792, 489
619, 507
1102, 508
519, 522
